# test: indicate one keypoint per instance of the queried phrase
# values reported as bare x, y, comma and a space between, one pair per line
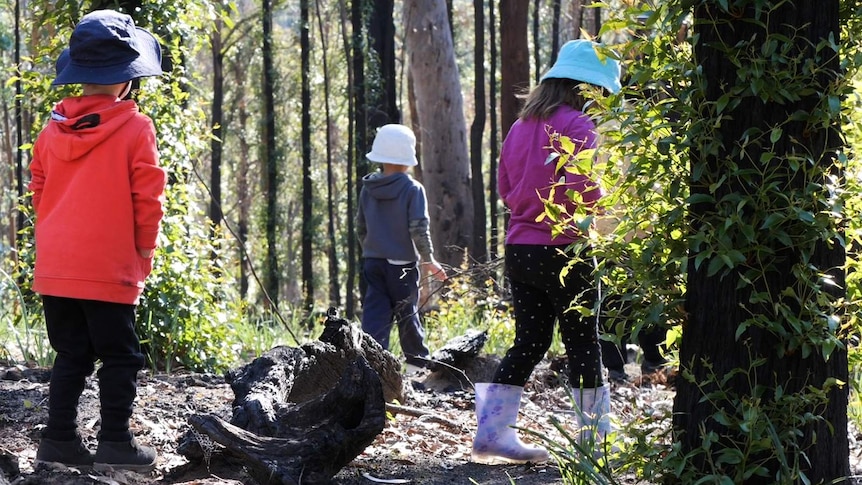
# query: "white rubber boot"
496, 441
593, 410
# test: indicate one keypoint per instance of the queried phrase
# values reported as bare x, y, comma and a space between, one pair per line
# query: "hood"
81, 123
386, 187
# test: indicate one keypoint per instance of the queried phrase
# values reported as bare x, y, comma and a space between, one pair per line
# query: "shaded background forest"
282, 100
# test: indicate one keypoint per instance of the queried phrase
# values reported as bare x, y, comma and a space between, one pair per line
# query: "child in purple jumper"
535, 258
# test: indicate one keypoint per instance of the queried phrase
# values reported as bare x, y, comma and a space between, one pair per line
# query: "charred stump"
460, 351
301, 414
315, 439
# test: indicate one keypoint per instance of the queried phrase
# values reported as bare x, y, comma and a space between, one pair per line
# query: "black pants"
81, 331
540, 300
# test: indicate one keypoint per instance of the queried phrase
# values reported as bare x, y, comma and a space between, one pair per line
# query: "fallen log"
460, 351
290, 375
301, 414
314, 440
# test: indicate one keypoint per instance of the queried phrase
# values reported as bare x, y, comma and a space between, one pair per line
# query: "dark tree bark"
19, 123
717, 304
514, 59
307, 185
350, 52
555, 32
382, 99
361, 137
332, 249
479, 249
8, 174
313, 440
242, 182
270, 159
573, 29
216, 123
493, 197
537, 54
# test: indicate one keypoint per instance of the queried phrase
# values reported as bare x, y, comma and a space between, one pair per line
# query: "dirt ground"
429, 447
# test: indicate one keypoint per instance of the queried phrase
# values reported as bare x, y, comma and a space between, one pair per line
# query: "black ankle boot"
124, 455
70, 453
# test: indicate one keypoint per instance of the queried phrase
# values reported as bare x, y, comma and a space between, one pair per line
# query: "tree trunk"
270, 161
356, 163
514, 60
493, 197
7, 175
241, 171
721, 305
19, 128
332, 249
537, 48
440, 112
555, 32
383, 98
308, 226
217, 123
572, 29
479, 248
301, 414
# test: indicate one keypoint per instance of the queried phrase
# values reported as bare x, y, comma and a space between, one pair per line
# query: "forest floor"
429, 447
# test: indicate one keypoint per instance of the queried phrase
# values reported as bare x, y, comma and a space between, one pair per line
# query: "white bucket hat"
394, 144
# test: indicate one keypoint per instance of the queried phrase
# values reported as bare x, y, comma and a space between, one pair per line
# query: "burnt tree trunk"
301, 414
721, 305
314, 440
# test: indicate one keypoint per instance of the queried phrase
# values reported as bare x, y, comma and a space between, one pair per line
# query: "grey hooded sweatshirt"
392, 220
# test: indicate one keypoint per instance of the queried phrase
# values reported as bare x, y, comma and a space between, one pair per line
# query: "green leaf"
715, 265
775, 135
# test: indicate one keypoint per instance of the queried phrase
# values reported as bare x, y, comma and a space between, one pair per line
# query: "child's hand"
435, 269
146, 253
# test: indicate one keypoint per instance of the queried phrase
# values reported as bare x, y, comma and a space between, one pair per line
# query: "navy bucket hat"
580, 61
107, 48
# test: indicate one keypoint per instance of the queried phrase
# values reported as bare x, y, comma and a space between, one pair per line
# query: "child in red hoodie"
97, 192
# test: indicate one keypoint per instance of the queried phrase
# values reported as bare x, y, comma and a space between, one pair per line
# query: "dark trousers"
393, 293
540, 300
81, 331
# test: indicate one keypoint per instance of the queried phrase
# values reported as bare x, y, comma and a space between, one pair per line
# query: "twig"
421, 413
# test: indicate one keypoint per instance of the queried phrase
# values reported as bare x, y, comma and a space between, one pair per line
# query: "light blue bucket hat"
578, 60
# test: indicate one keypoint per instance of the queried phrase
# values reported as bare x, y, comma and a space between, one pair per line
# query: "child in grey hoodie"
393, 228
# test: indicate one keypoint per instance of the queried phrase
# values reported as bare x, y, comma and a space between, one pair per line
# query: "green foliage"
768, 191
22, 335
184, 316
769, 423
469, 303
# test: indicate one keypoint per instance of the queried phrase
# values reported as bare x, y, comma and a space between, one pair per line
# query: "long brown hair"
549, 95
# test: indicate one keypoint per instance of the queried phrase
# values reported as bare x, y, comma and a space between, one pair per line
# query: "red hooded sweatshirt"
98, 192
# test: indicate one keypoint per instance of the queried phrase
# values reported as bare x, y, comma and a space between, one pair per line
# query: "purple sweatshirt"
523, 174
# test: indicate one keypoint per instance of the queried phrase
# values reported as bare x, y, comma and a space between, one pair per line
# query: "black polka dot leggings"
540, 300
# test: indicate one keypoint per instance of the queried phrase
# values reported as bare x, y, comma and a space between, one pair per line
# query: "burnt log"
458, 364
301, 414
460, 351
288, 375
314, 440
